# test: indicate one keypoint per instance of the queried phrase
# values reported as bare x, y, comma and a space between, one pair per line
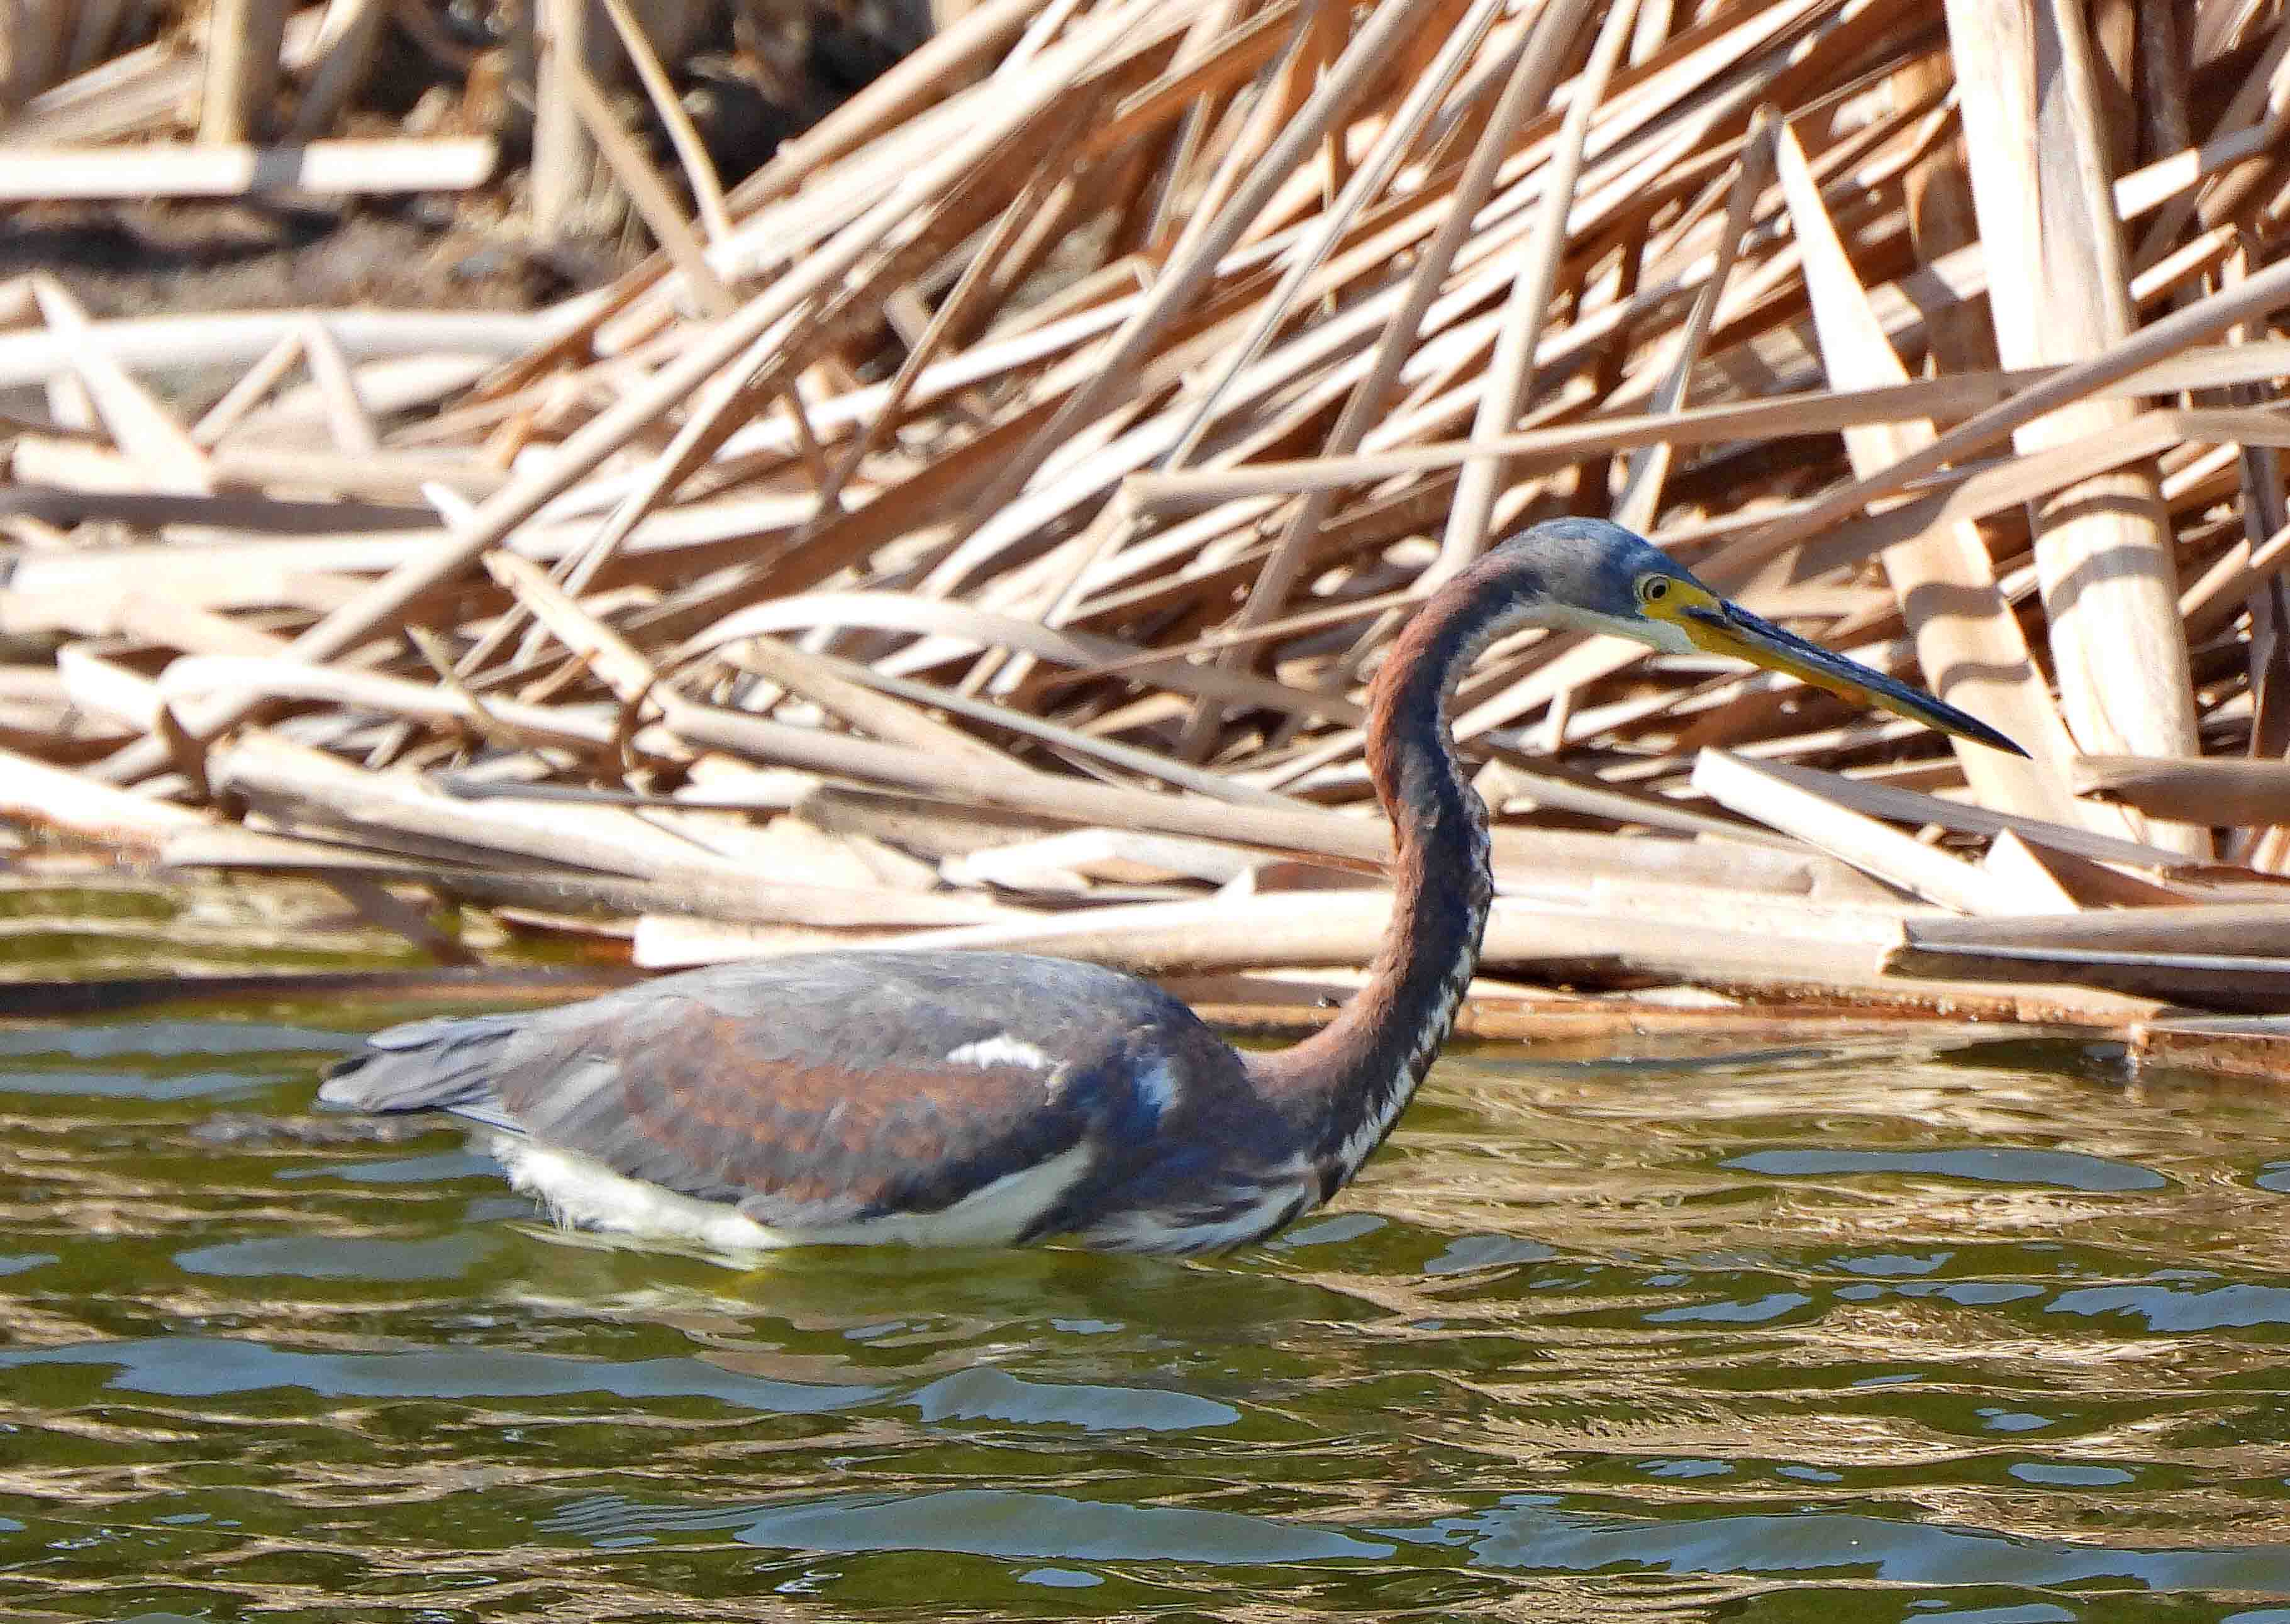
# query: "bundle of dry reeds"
978, 527
99, 99
288, 99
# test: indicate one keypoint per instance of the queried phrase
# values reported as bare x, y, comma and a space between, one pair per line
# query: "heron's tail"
442, 1065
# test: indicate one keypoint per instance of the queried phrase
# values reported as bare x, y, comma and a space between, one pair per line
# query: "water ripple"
992, 1395
1002, 1523
206, 1367
1839, 1545
2016, 1164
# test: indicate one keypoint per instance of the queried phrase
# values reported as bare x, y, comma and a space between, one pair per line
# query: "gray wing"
813, 1089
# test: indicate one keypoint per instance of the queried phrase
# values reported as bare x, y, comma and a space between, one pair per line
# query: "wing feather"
834, 1088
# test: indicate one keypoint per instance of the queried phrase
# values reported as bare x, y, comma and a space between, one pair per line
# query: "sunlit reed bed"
978, 526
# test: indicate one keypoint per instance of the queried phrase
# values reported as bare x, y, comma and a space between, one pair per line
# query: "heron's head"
1590, 575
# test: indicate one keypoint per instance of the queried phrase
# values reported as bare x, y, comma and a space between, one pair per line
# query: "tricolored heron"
993, 1099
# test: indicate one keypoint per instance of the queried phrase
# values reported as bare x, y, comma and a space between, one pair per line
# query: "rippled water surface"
1975, 1331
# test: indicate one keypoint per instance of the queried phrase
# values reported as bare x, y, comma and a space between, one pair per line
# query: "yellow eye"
1653, 590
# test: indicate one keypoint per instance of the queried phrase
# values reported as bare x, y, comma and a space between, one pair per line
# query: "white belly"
579, 1190
1247, 1215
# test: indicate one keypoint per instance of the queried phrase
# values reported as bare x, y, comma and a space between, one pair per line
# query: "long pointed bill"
1727, 629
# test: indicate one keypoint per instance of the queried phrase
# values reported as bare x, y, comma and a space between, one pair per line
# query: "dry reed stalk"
565, 155
348, 41
1511, 363
1868, 845
2040, 178
244, 38
2033, 883
2191, 789
691, 150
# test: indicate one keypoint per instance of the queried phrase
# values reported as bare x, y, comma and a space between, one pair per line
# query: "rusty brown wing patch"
739, 1109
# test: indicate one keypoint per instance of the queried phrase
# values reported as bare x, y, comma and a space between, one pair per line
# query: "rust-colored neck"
1349, 1082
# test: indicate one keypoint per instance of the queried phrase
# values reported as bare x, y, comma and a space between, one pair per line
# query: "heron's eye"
1653, 590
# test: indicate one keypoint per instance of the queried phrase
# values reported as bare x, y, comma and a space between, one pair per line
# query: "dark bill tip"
1729, 628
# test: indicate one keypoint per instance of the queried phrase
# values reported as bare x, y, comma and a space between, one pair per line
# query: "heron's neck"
1350, 1081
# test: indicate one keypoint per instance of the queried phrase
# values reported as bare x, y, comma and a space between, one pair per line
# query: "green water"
1975, 1332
